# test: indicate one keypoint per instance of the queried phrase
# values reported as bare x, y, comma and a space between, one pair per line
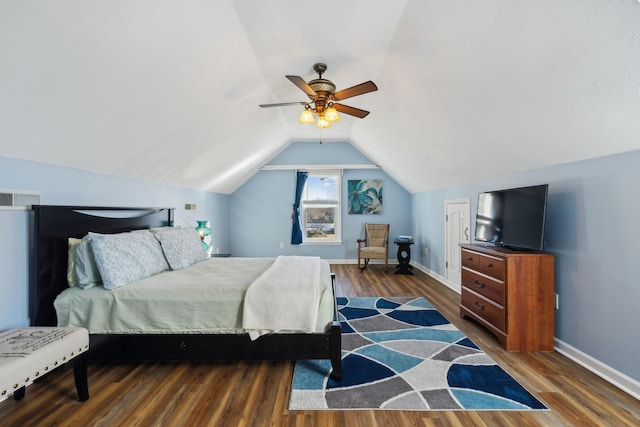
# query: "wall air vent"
18, 199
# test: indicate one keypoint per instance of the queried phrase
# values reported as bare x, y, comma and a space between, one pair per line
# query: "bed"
52, 226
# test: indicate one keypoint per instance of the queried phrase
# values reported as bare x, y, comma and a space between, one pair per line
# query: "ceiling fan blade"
281, 104
352, 111
356, 90
299, 81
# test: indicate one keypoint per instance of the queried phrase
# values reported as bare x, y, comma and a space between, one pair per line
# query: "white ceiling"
168, 91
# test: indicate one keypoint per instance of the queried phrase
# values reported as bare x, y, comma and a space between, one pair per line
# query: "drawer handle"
489, 265
479, 306
478, 283
469, 258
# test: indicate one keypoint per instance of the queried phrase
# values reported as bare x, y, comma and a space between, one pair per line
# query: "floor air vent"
18, 199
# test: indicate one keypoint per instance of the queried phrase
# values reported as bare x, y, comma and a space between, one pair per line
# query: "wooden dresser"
511, 293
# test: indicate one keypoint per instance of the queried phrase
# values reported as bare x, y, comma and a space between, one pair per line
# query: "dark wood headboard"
50, 228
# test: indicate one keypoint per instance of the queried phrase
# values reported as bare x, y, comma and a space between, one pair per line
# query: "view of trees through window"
320, 223
320, 208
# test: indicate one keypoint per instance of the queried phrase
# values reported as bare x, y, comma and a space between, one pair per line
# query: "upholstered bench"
28, 353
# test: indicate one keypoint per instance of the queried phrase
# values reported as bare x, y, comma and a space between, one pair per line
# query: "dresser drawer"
470, 259
484, 309
491, 266
485, 286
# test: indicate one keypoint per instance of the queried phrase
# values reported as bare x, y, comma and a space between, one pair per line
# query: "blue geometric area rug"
400, 353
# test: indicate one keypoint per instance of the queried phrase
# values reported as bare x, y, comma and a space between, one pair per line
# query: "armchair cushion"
374, 252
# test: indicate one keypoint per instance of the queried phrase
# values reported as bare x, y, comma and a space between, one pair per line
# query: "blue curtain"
296, 231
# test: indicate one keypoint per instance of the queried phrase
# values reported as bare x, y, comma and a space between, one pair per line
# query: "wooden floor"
257, 394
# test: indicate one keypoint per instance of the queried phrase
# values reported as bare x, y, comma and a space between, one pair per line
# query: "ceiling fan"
322, 94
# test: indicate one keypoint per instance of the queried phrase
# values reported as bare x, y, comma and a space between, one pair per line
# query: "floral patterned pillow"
181, 247
125, 257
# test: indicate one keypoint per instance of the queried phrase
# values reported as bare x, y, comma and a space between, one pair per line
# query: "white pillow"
125, 257
164, 228
72, 276
181, 247
86, 270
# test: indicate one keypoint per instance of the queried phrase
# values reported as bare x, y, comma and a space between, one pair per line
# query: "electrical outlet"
190, 207
557, 301
425, 250
281, 245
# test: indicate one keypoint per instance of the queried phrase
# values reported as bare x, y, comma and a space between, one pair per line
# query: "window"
320, 214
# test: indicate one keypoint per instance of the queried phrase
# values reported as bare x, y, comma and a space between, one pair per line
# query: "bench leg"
19, 393
80, 375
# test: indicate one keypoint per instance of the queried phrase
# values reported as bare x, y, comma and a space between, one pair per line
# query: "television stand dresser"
511, 293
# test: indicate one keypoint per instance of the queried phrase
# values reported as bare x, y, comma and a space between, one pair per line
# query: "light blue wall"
592, 218
261, 209
66, 186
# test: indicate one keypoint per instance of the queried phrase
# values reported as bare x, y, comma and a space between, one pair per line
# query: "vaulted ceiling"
168, 91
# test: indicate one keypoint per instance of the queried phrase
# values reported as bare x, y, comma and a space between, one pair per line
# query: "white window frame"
337, 240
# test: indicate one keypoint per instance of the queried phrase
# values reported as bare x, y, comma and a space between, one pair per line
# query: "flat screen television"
513, 218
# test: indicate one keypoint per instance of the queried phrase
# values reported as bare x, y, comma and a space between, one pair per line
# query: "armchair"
376, 245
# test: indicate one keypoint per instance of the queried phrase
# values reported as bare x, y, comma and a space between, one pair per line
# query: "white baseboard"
606, 372
449, 284
355, 261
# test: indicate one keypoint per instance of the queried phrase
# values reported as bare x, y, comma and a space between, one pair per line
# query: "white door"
457, 223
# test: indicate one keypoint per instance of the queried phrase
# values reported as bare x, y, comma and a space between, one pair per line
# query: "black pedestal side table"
404, 255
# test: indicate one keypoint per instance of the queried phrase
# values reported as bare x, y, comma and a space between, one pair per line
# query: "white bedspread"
284, 297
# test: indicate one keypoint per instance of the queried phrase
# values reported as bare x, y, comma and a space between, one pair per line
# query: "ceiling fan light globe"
306, 117
323, 123
331, 115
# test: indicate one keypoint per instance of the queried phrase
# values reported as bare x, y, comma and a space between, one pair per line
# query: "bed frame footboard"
214, 347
